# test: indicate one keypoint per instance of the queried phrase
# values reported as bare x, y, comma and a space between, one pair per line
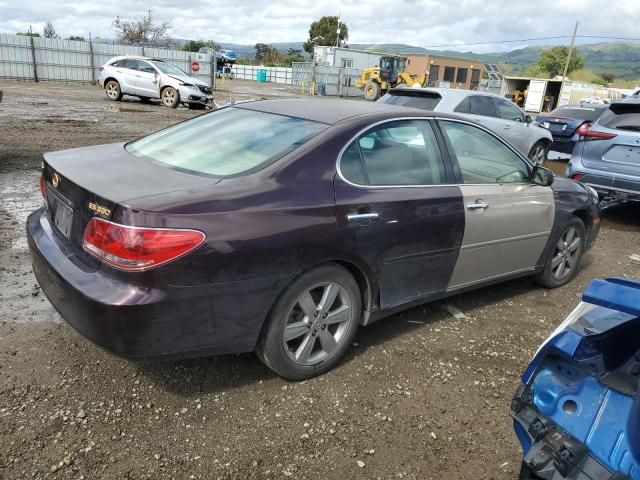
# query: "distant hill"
619, 58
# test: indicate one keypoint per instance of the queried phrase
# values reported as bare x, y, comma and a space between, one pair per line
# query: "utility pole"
573, 39
338, 32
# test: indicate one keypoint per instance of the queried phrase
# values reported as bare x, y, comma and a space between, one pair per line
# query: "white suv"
147, 78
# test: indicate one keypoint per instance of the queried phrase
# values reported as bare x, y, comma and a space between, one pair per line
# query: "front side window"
482, 157
508, 111
226, 142
394, 154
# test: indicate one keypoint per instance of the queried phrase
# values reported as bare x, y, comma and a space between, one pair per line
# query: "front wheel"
170, 97
538, 153
312, 324
563, 260
372, 91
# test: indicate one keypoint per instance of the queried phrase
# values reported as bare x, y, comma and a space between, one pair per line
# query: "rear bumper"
563, 145
549, 451
612, 186
145, 317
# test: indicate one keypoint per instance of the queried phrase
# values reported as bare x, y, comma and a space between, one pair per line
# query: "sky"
424, 23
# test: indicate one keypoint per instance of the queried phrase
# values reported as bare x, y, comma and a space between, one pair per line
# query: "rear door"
127, 76
508, 219
146, 80
398, 210
618, 150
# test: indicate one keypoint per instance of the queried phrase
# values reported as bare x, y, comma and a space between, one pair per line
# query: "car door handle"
478, 205
362, 217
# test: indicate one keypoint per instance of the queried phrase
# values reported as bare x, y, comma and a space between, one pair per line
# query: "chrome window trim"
388, 120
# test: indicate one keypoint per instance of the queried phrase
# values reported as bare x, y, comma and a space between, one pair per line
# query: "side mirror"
542, 176
528, 119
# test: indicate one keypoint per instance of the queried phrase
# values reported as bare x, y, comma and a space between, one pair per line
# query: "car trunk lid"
100, 182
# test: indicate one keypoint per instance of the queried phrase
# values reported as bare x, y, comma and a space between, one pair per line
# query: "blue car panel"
577, 412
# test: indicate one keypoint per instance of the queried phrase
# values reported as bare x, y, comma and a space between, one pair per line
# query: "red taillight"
101, 67
590, 135
43, 188
137, 248
582, 129
577, 176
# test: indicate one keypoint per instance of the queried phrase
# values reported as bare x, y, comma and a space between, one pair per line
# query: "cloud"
415, 22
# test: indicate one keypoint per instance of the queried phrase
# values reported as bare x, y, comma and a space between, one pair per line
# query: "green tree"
608, 77
552, 61
196, 45
324, 32
266, 53
295, 55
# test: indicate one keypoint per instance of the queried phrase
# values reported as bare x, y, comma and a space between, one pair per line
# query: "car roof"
130, 57
448, 92
331, 111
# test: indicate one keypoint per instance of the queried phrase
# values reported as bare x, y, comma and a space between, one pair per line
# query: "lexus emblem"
55, 180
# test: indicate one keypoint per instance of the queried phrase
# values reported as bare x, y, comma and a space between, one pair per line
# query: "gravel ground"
420, 395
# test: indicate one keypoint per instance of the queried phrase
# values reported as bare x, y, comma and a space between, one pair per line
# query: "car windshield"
579, 113
423, 100
227, 142
165, 67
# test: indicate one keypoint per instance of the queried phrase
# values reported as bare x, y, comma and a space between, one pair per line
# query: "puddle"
557, 166
117, 109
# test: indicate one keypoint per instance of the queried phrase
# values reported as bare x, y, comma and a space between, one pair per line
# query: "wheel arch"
586, 219
110, 79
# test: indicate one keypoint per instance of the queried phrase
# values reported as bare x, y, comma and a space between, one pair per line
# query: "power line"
603, 37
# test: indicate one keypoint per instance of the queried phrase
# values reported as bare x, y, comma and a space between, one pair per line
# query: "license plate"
61, 213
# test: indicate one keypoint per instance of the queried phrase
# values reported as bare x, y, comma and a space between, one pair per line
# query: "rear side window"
394, 154
227, 142
622, 116
508, 111
477, 105
415, 99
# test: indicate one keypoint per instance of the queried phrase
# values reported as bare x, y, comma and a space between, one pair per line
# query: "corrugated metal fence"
33, 58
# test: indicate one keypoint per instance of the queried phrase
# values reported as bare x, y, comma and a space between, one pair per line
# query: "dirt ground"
421, 395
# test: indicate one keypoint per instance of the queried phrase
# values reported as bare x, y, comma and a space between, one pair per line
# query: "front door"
398, 211
508, 219
147, 80
515, 130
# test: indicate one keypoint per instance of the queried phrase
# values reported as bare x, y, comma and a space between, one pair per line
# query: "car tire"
372, 91
113, 91
170, 97
538, 153
565, 252
307, 332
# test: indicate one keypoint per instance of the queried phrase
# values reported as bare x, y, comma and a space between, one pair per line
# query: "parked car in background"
301, 221
494, 112
148, 78
607, 155
567, 123
577, 412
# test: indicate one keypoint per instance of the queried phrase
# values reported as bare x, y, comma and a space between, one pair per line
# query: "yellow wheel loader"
375, 81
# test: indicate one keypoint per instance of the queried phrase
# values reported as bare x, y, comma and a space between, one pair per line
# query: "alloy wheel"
317, 323
112, 91
168, 98
538, 155
566, 254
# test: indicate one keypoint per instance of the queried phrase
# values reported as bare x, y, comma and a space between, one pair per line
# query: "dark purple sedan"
281, 226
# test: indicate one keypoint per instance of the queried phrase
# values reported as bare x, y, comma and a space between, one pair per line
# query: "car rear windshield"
622, 116
407, 98
579, 113
227, 142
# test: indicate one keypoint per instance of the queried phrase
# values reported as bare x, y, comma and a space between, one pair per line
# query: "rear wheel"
312, 323
563, 260
372, 91
112, 88
170, 97
538, 153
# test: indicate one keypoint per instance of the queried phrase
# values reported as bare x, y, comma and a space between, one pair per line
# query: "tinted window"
464, 107
226, 142
146, 67
416, 99
482, 157
508, 111
482, 105
622, 116
580, 113
396, 153
126, 64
